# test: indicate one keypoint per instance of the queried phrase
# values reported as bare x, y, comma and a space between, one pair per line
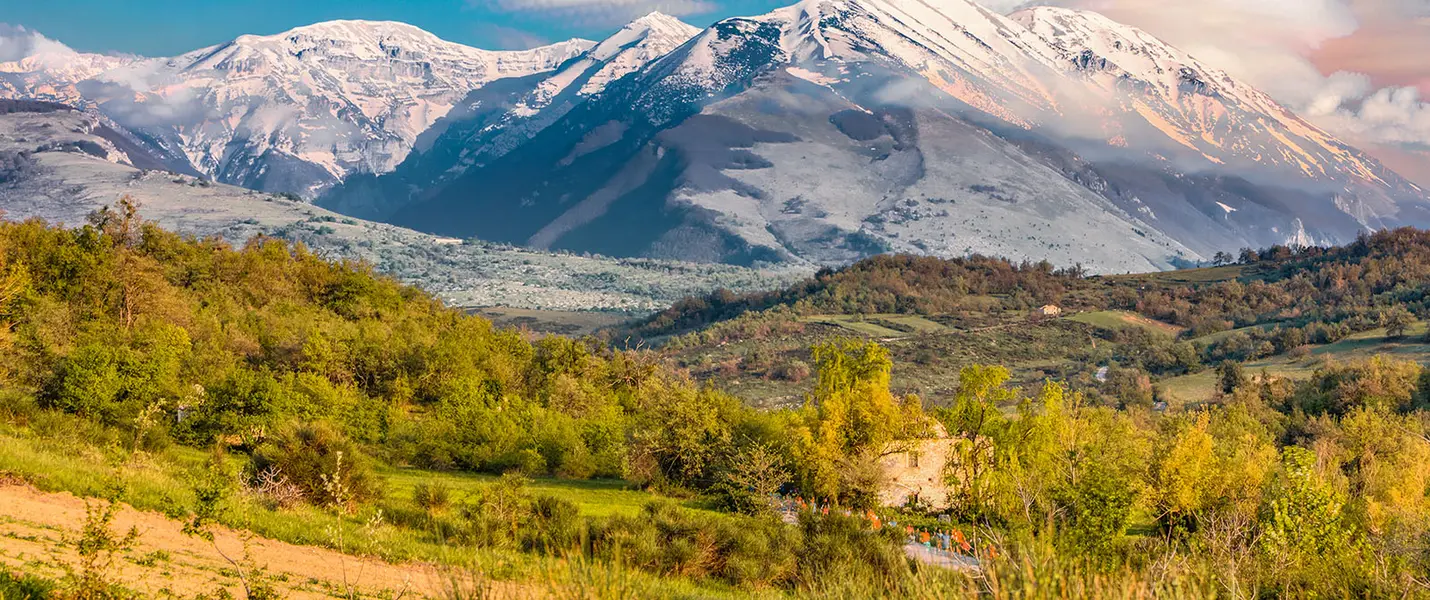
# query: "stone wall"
919, 472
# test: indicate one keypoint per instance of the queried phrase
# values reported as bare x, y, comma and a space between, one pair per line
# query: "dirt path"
166, 563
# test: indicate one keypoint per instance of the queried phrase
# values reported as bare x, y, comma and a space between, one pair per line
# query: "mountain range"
60, 164
294, 112
813, 135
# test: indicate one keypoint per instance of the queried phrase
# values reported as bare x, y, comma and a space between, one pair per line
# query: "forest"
304, 381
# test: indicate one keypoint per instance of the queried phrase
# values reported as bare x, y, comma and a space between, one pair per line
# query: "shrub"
507, 514
839, 548
99, 550
794, 371
17, 408
432, 497
671, 540
554, 525
318, 459
24, 587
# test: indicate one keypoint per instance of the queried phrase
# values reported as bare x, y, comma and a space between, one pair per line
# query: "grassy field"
595, 498
1221, 335
862, 325
1120, 319
909, 324
1201, 387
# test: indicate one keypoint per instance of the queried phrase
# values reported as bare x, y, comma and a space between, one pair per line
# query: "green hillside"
262, 391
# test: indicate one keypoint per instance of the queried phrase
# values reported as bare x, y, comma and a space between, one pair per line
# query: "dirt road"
167, 564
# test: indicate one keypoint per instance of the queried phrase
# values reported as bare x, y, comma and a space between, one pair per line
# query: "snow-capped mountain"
638, 43
1198, 108
495, 119
818, 133
301, 110
1151, 96
298, 111
831, 129
52, 75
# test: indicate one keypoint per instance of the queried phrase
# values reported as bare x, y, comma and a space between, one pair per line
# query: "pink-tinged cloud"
1391, 45
1357, 68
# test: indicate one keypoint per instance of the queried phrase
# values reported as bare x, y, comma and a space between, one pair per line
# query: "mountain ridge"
493, 120
815, 134
300, 110
940, 116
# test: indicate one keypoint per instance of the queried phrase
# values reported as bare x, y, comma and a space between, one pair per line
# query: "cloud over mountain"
17, 42
1348, 65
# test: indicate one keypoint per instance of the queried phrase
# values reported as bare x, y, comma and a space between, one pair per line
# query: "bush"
838, 548
17, 408
554, 525
320, 461
507, 514
24, 587
794, 371
670, 540
432, 497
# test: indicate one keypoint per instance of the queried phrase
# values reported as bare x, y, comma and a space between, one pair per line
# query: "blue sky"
166, 27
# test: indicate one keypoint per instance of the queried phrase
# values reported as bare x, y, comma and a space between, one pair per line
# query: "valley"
842, 299
268, 395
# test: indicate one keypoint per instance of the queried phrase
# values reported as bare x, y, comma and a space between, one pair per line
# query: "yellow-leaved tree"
850, 421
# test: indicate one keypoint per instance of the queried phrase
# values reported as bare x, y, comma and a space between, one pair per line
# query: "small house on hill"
1050, 310
918, 473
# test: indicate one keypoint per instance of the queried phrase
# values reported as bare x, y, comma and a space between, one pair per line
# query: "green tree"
755, 472
1184, 474
1303, 515
1396, 321
88, 383
682, 434
1231, 375
976, 421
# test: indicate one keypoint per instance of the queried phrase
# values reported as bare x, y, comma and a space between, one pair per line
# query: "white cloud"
17, 42
1267, 43
1389, 115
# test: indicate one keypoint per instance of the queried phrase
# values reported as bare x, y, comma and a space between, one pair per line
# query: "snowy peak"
50, 70
661, 24
1069, 73
628, 50
344, 44
306, 108
657, 31
496, 119
1198, 107
1137, 53
978, 56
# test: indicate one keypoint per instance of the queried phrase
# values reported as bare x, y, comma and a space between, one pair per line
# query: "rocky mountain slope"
60, 164
830, 130
1199, 119
54, 73
501, 116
